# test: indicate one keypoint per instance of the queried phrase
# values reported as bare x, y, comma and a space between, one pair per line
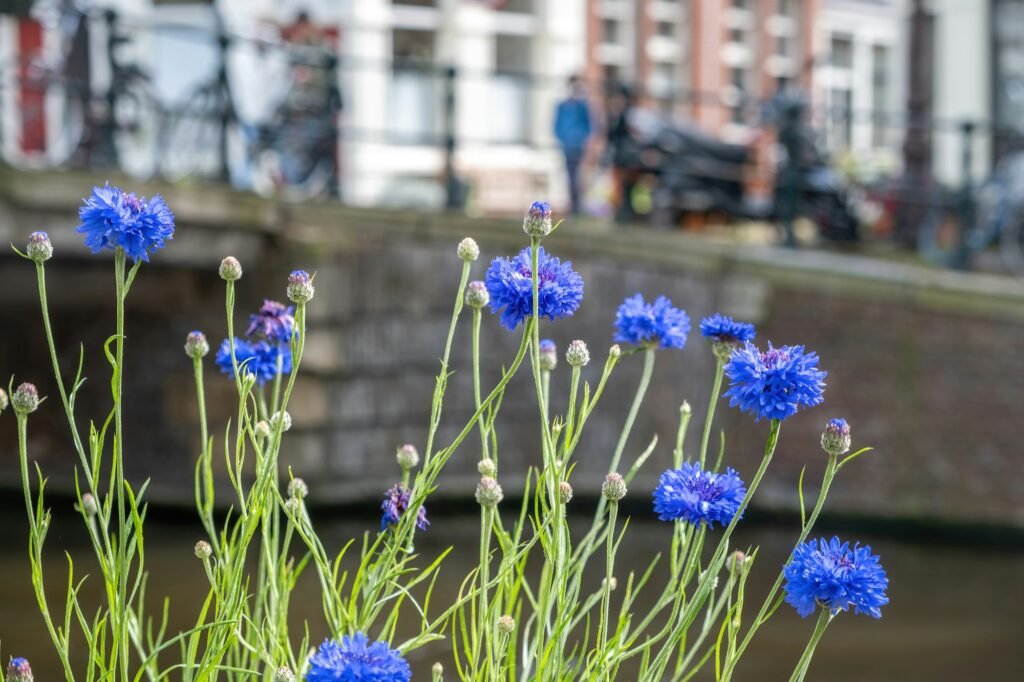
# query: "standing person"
622, 149
572, 130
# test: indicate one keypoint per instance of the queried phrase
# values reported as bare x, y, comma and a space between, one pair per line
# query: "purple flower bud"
835, 439
548, 355
537, 223
489, 492
613, 488
230, 269
300, 286
477, 295
39, 247
25, 399
196, 345
18, 670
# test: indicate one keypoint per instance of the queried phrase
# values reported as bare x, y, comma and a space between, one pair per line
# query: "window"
415, 112
841, 105
611, 30
842, 51
879, 93
667, 29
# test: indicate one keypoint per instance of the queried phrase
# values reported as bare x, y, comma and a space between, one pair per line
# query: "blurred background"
846, 174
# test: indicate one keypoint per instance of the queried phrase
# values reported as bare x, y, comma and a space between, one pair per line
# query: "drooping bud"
408, 457
548, 352
300, 287
25, 399
230, 269
835, 439
280, 420
537, 223
18, 670
487, 467
196, 345
284, 674
203, 550
89, 506
39, 247
506, 624
489, 492
3, 400
613, 488
468, 250
577, 355
477, 295
564, 492
297, 488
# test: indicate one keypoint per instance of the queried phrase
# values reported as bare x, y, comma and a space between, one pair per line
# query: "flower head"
476, 294
196, 345
577, 355
835, 439
18, 670
259, 358
722, 328
564, 492
356, 659
510, 284
537, 222
468, 250
112, 218
300, 287
274, 322
39, 247
836, 576
614, 487
230, 269
651, 325
696, 496
203, 550
25, 398
506, 624
408, 457
396, 502
489, 492
775, 383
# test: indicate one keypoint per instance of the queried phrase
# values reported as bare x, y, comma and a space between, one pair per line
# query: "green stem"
484, 445
805, 660
603, 625
715, 391
120, 619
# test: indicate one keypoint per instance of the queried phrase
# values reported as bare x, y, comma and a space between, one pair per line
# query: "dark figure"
623, 150
572, 130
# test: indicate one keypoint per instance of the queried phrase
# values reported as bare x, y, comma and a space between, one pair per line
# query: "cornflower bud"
3, 400
488, 492
506, 624
230, 269
477, 295
407, 457
284, 674
548, 353
468, 250
437, 672
537, 223
39, 247
203, 550
25, 399
300, 287
564, 492
297, 488
835, 439
615, 351
280, 420
614, 488
685, 408
196, 345
487, 467
18, 670
89, 506
262, 429
577, 355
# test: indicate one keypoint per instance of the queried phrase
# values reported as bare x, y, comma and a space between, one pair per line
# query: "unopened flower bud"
613, 584
835, 439
284, 674
736, 561
203, 550
196, 345
18, 670
89, 507
437, 672
613, 488
548, 352
300, 287
230, 269
39, 247
685, 408
615, 351
297, 488
468, 250
262, 429
506, 624
577, 355
280, 420
293, 505
477, 295
487, 467
25, 399
3, 400
564, 492
407, 457
488, 492
723, 348
537, 223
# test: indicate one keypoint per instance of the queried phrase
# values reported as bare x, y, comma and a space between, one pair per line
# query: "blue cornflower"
396, 502
775, 383
510, 285
722, 328
113, 218
355, 659
836, 576
260, 358
654, 325
274, 322
696, 496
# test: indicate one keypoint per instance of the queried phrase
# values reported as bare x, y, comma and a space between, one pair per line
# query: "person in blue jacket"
573, 128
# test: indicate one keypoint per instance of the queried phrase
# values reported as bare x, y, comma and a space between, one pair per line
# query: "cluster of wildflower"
651, 325
396, 502
699, 497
